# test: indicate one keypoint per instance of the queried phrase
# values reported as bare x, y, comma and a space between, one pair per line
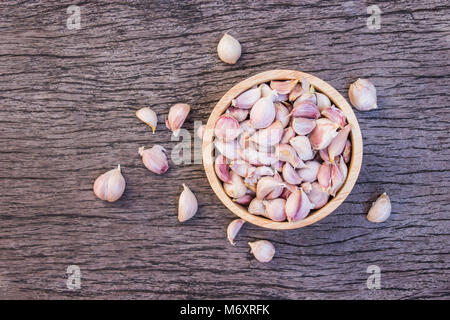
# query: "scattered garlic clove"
323, 133
242, 168
176, 117
336, 115
148, 116
244, 200
263, 113
262, 250
302, 146
201, 131
154, 159
236, 188
298, 206
282, 114
296, 92
256, 207
285, 152
229, 149
233, 229
309, 174
380, 210
226, 128
283, 87
269, 136
305, 109
318, 195
110, 185
187, 204
238, 113
288, 134
347, 151
363, 95
290, 175
266, 185
274, 209
337, 146
229, 49
303, 126
221, 169
247, 99
322, 101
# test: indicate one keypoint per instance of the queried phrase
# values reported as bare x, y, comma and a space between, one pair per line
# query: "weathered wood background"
67, 103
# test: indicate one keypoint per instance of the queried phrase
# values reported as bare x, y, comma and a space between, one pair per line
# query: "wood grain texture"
67, 104
224, 103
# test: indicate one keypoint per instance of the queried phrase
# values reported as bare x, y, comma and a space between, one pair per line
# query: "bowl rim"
321, 86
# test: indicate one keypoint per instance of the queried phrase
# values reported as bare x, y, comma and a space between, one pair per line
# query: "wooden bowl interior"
319, 85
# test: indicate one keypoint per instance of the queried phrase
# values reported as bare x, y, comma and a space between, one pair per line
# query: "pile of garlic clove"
282, 150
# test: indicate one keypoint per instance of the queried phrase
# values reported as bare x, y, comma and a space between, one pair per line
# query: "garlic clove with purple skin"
323, 133
242, 168
221, 169
306, 96
303, 126
282, 114
322, 101
302, 146
259, 172
247, 99
263, 113
305, 109
324, 175
233, 229
187, 204
288, 134
154, 159
110, 185
380, 210
363, 95
148, 116
324, 155
237, 113
280, 97
176, 117
274, 209
266, 185
338, 176
236, 188
307, 187
276, 192
247, 127
269, 136
337, 146
283, 87
285, 152
336, 115
262, 250
290, 175
318, 195
244, 200
296, 92
346, 154
298, 206
229, 149
227, 128
229, 49
256, 207
266, 91
309, 174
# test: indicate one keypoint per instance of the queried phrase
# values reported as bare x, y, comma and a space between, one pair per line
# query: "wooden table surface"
67, 103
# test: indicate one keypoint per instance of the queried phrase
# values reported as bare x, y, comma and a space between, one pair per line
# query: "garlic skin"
110, 185
226, 128
323, 133
236, 188
263, 113
201, 131
187, 204
266, 185
309, 174
176, 117
263, 250
363, 95
148, 116
154, 159
337, 146
247, 99
221, 169
283, 87
303, 126
322, 101
229, 49
302, 146
233, 229
380, 210
274, 209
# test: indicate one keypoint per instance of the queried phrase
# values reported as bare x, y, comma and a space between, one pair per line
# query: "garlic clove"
266, 91
337, 146
244, 200
262, 250
296, 92
283, 87
263, 113
277, 191
201, 131
307, 187
282, 114
347, 151
176, 117
226, 128
242, 168
154, 159
237, 113
247, 99
318, 195
288, 134
244, 140
229, 49
270, 135
306, 96
148, 116
256, 207
110, 185
221, 169
324, 175
266, 185
298, 206
323, 133
380, 210
309, 174
246, 127
363, 95
274, 209
302, 146
229, 149
236, 188
322, 101
338, 176
305, 109
187, 204
285, 152
324, 155
280, 98
233, 229
303, 126
336, 115
290, 175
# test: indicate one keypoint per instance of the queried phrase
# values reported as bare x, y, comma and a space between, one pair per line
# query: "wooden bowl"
319, 85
